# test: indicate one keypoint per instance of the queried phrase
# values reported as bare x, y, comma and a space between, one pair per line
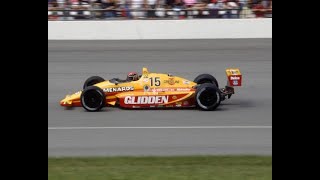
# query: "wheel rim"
92, 99
208, 98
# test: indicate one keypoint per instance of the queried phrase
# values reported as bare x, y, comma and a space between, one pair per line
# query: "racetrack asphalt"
70, 63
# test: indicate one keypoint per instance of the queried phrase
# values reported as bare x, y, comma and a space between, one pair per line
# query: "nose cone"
71, 100
65, 102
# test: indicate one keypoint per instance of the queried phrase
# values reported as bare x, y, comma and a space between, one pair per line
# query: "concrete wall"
160, 29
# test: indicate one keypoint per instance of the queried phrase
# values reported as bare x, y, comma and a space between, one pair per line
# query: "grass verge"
161, 168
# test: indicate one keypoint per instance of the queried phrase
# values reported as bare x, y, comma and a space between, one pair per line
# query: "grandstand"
64, 10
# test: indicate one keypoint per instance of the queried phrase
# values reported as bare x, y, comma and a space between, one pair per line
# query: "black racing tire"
92, 98
206, 78
208, 97
92, 81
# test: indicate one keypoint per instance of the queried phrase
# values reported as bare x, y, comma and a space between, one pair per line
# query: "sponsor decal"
146, 88
169, 89
171, 81
233, 71
145, 80
183, 89
174, 97
235, 83
234, 78
162, 89
146, 99
186, 82
178, 104
118, 89
185, 103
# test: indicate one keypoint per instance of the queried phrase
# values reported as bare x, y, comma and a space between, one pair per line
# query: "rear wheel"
92, 81
208, 97
206, 78
92, 98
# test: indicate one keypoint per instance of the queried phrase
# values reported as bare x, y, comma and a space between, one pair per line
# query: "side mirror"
116, 82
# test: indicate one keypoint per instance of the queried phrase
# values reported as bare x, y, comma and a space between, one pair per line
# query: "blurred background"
68, 10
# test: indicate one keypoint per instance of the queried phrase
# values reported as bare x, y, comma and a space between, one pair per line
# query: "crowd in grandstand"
150, 9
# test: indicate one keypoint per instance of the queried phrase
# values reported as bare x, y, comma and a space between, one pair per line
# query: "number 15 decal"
155, 81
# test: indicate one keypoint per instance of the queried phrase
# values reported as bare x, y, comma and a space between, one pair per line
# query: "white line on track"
164, 127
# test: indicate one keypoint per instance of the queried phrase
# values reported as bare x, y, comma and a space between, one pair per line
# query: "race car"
154, 90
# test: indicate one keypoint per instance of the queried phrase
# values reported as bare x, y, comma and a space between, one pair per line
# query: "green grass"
162, 168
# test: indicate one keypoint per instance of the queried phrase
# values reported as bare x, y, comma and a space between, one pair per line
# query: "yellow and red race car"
154, 90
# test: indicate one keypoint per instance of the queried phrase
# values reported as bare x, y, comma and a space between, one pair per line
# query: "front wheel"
208, 97
92, 98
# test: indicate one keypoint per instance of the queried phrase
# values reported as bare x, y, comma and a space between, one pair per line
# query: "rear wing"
234, 79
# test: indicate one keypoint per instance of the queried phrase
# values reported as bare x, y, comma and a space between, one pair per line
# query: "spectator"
259, 9
232, 9
199, 8
52, 6
169, 4
246, 13
269, 9
251, 3
96, 5
62, 3
189, 3
174, 8
151, 6
205, 13
214, 7
161, 9
124, 6
178, 4
229, 9
177, 7
81, 6
220, 6
109, 6
242, 4
137, 8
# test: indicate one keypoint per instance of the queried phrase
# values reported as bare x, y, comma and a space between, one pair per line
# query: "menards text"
118, 89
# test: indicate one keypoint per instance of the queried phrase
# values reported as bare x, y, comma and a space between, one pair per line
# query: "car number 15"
155, 81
